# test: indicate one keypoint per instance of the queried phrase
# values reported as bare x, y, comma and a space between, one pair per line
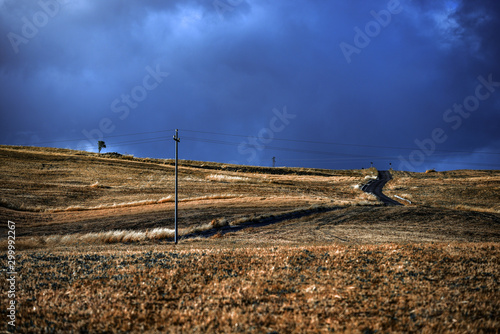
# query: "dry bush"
160, 233
134, 236
106, 237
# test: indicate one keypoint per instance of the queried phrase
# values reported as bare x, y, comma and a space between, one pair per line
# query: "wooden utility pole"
177, 140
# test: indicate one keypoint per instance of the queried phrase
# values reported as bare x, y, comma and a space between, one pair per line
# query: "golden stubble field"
466, 190
208, 288
262, 249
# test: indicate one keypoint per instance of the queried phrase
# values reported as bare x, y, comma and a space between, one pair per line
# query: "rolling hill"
261, 249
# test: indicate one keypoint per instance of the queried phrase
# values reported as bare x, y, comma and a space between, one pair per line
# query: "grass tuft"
229, 178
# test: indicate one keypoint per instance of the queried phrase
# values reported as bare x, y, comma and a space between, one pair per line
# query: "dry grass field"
56, 191
262, 250
469, 190
203, 288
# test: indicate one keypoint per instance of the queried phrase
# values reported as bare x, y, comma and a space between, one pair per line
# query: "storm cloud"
329, 84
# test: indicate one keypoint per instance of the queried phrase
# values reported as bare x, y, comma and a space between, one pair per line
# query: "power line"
141, 141
149, 140
114, 136
427, 161
341, 144
339, 156
346, 157
352, 157
214, 141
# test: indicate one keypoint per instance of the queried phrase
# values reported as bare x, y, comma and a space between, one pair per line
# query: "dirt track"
375, 187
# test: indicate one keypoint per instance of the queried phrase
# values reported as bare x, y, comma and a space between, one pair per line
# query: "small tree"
101, 145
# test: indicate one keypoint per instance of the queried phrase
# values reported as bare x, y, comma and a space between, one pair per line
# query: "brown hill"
50, 191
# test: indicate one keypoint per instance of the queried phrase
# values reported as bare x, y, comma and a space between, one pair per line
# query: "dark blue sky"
316, 83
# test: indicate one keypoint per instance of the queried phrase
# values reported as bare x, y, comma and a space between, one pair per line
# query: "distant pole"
177, 140
274, 161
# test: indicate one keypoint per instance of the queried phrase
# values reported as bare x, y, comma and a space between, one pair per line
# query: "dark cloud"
88, 69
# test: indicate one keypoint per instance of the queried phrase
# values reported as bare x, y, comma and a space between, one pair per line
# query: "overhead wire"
113, 136
352, 157
274, 139
340, 144
340, 156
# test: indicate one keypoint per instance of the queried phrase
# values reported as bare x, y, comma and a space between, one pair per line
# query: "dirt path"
375, 187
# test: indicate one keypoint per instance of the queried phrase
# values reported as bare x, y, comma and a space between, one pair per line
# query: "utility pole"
274, 161
177, 140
